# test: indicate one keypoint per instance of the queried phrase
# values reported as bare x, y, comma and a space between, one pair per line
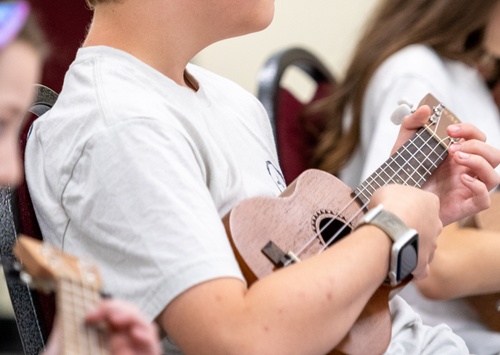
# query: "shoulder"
108, 87
414, 60
411, 73
416, 53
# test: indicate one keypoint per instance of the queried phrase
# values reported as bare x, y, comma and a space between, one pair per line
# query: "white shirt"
136, 172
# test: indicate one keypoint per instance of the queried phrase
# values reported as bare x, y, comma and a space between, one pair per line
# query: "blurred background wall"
329, 28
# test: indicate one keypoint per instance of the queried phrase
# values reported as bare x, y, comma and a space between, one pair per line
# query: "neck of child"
160, 36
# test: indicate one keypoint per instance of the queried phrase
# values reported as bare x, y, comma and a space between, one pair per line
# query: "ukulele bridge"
277, 256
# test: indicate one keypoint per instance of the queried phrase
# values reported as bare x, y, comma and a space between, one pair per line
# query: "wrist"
404, 250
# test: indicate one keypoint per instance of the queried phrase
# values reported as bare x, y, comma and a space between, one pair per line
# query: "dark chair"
295, 131
33, 311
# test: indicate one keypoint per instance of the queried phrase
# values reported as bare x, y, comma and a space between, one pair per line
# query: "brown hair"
453, 28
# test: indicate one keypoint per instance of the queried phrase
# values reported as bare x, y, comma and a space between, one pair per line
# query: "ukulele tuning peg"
26, 278
437, 111
404, 109
46, 286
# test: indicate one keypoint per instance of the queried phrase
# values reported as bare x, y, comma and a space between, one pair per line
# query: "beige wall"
329, 28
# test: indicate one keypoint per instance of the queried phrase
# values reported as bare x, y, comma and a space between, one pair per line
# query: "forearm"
305, 308
465, 263
334, 287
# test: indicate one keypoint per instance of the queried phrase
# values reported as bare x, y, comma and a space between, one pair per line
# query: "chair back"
296, 133
34, 311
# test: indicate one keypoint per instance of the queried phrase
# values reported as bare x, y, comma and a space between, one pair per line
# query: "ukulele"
268, 233
487, 306
77, 285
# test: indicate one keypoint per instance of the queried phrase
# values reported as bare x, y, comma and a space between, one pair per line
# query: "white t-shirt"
410, 74
136, 172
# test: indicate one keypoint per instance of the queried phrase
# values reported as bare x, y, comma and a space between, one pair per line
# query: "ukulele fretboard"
75, 300
415, 161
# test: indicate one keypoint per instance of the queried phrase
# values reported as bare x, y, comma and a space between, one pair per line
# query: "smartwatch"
404, 252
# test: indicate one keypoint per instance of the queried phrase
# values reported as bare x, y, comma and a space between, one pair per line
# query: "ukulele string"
353, 200
427, 172
345, 224
441, 157
437, 116
77, 297
367, 197
335, 236
90, 296
67, 309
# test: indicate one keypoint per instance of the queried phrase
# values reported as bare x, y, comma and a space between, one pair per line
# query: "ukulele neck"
416, 160
74, 301
412, 164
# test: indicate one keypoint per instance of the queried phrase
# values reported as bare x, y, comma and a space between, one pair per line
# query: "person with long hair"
449, 48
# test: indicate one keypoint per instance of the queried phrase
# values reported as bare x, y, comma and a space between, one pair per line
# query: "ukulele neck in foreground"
77, 285
74, 301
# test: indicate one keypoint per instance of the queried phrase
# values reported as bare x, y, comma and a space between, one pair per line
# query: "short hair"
92, 3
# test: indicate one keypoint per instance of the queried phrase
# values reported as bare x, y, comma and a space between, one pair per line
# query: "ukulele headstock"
416, 159
47, 265
441, 117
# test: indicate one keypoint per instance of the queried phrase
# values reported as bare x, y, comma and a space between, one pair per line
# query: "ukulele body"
293, 222
268, 233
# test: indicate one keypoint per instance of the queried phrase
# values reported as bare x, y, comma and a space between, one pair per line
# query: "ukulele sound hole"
332, 230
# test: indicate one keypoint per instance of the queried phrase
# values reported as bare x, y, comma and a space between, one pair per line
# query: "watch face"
407, 259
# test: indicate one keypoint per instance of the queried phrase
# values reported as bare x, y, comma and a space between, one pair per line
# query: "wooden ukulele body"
293, 222
268, 233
